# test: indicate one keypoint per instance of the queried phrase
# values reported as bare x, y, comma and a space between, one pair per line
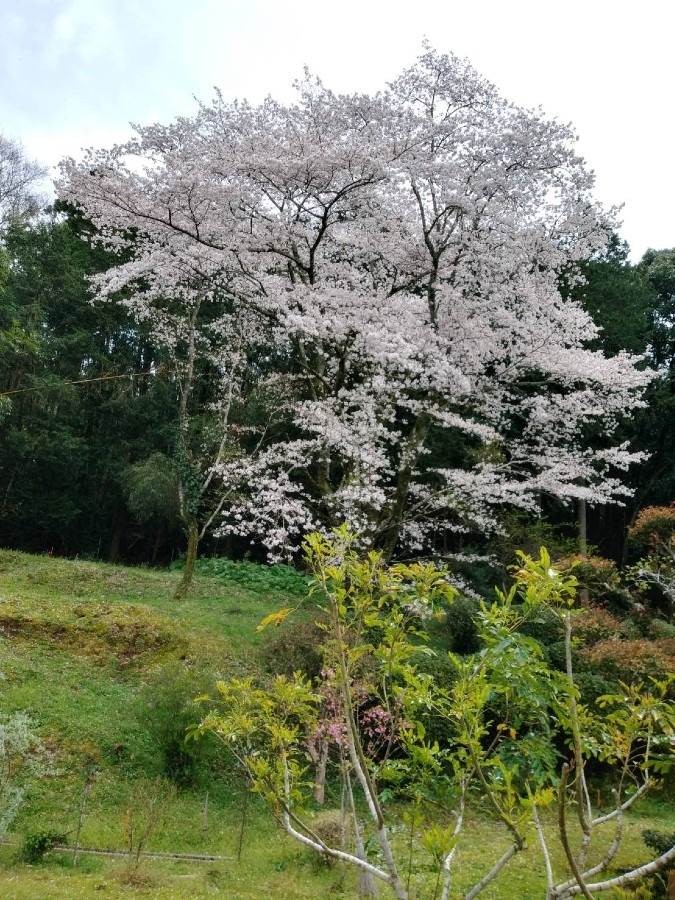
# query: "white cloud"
75, 72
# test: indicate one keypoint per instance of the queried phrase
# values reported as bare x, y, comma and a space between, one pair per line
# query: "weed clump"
37, 843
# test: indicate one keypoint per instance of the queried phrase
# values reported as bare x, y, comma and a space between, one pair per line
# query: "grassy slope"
82, 642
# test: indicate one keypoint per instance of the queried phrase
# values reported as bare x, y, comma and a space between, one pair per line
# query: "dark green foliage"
526, 532
635, 309
659, 842
444, 672
151, 489
658, 267
295, 649
545, 627
81, 412
554, 654
457, 630
592, 685
278, 578
620, 298
37, 843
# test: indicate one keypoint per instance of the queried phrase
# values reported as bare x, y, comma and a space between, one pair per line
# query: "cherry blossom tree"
401, 254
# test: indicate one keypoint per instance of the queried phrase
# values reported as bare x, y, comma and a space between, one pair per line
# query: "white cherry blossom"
403, 253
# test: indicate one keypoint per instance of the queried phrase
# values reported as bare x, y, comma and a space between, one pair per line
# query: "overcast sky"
74, 73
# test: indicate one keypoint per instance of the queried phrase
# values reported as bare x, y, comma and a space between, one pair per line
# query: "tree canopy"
401, 256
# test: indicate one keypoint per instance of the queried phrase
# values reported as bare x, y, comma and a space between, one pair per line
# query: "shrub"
457, 630
591, 686
296, 649
661, 630
595, 624
545, 627
444, 673
653, 576
554, 654
658, 841
523, 531
599, 578
334, 829
37, 843
632, 661
654, 525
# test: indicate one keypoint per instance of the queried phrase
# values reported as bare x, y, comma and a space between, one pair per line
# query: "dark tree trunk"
583, 528
118, 533
159, 538
391, 522
183, 588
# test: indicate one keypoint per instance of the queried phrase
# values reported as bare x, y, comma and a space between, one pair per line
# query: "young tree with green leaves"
502, 714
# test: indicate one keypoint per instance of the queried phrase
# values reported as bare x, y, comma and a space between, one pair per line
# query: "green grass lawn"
106, 663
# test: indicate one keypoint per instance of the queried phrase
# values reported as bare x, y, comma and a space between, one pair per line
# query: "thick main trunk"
393, 516
183, 589
583, 541
583, 528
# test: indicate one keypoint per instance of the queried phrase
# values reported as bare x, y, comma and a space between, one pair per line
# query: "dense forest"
86, 404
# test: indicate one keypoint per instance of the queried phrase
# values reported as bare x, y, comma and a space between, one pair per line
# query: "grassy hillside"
107, 663
101, 657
